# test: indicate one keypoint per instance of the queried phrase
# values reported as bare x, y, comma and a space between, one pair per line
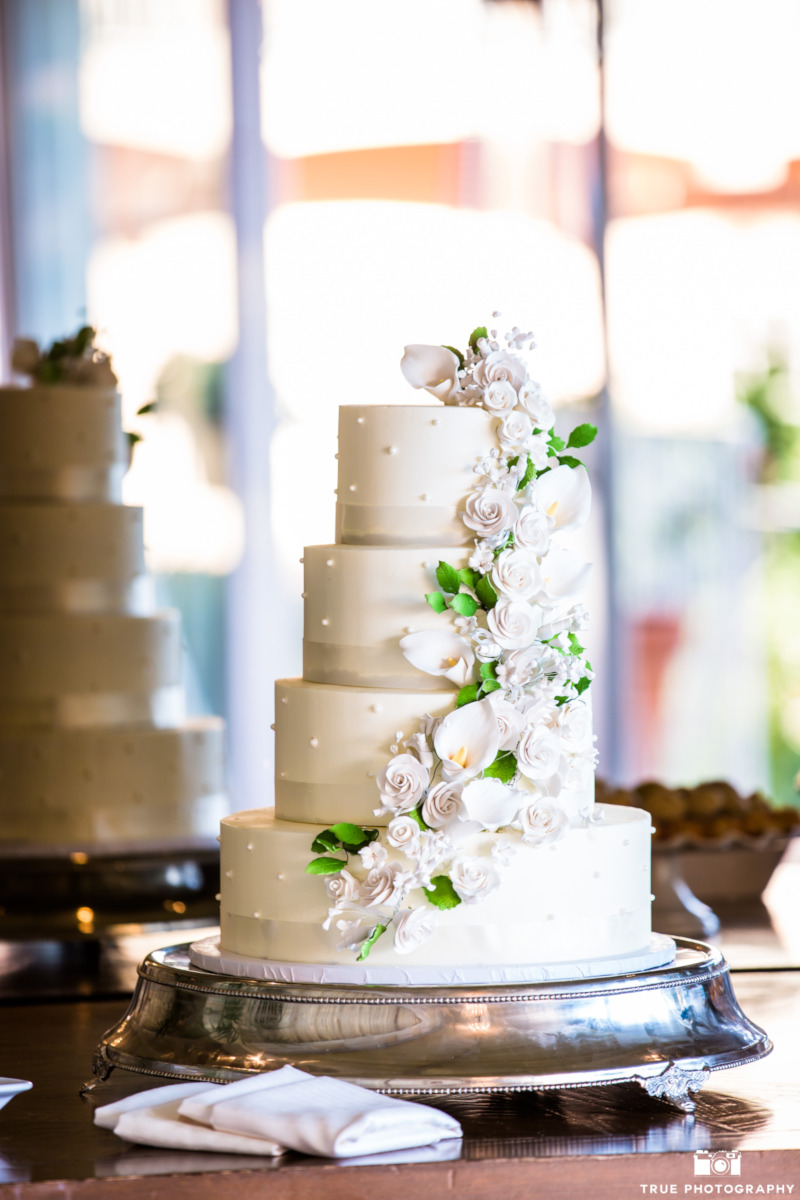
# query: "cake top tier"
405, 472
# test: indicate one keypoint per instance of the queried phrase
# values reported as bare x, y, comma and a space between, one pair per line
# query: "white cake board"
208, 955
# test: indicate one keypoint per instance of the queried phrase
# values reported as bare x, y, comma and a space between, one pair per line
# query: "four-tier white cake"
434, 790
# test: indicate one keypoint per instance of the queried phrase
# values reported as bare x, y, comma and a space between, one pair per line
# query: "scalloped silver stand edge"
666, 1028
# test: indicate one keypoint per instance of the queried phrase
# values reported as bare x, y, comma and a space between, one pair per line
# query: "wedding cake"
95, 750
434, 790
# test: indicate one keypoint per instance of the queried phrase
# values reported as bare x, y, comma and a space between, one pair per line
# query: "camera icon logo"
717, 1162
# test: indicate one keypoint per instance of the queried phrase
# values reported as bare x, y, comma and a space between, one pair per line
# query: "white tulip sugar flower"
412, 928
434, 368
513, 623
564, 576
489, 802
473, 878
439, 652
467, 741
565, 495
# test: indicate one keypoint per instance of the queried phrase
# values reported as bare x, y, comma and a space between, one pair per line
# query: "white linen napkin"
319, 1115
151, 1118
275, 1110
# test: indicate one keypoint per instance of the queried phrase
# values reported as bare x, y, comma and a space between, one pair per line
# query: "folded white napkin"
275, 1110
151, 1118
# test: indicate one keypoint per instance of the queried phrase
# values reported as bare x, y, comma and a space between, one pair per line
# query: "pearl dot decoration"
280, 876
324, 621
284, 699
595, 874
391, 449
249, 845
351, 487
435, 421
329, 562
314, 742
626, 842
424, 497
229, 874
359, 420
377, 708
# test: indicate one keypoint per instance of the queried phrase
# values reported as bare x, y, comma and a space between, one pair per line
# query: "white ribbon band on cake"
135, 597
83, 484
365, 666
420, 525
163, 707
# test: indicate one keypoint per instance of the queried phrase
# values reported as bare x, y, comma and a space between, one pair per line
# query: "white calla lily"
564, 576
467, 740
439, 653
434, 368
565, 495
490, 802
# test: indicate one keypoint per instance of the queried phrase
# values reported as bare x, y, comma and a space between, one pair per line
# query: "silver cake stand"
666, 1029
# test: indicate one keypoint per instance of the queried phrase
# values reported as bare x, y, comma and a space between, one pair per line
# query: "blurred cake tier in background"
95, 749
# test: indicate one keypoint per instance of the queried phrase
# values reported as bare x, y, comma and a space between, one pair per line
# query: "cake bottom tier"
583, 897
82, 788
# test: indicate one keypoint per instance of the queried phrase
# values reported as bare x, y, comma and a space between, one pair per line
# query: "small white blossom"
373, 855
482, 558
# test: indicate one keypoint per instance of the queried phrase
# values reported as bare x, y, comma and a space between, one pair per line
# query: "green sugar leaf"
469, 577
575, 646
480, 332
441, 893
458, 355
447, 577
582, 435
370, 942
561, 700
530, 472
557, 443
488, 670
467, 695
325, 866
416, 815
436, 601
150, 407
485, 592
464, 604
567, 460
346, 832
133, 438
582, 684
503, 768
326, 841
490, 685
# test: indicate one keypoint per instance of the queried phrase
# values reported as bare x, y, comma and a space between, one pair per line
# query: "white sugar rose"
536, 404
500, 398
490, 511
510, 721
542, 822
513, 623
402, 783
532, 530
500, 366
473, 878
385, 885
516, 574
515, 432
490, 803
538, 752
403, 834
442, 804
412, 928
575, 727
343, 886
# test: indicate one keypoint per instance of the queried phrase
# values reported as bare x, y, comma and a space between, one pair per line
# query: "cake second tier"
359, 603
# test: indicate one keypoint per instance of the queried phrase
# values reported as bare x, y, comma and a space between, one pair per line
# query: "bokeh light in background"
423, 164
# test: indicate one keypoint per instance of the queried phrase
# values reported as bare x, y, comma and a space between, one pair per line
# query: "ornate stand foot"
675, 1084
102, 1066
